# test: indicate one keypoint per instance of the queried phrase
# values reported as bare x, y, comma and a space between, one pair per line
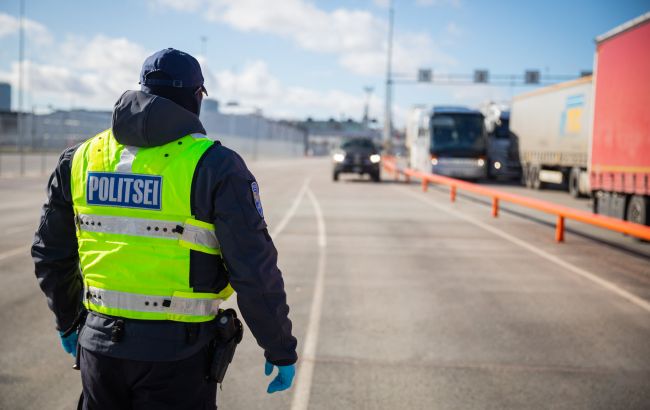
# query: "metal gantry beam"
483, 77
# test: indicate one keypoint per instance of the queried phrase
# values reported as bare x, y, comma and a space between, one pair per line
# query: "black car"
357, 156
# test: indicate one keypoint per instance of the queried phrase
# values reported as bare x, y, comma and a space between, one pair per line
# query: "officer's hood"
146, 120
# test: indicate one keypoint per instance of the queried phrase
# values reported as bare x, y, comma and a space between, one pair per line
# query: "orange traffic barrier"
562, 212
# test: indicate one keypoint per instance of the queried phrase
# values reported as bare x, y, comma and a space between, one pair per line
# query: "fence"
33, 147
27, 163
561, 212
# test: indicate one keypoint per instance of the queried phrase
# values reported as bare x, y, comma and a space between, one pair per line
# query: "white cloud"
356, 37
256, 86
34, 31
427, 3
114, 62
92, 72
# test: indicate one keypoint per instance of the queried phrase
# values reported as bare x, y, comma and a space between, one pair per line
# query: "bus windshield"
457, 131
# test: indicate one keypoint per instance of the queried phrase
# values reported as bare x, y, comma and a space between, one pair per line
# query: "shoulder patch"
256, 198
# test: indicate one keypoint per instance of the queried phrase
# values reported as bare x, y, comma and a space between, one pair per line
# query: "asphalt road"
399, 299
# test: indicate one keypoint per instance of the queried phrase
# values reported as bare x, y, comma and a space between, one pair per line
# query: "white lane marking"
14, 252
291, 211
305, 373
643, 304
320, 220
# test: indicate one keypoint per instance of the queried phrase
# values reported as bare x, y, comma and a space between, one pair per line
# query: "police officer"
150, 225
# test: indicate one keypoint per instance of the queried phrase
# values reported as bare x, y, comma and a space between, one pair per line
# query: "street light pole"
366, 108
388, 115
21, 58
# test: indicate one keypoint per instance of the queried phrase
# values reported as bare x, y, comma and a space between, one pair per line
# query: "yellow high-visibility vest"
135, 229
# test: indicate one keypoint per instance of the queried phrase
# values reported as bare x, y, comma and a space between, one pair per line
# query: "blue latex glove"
69, 343
284, 378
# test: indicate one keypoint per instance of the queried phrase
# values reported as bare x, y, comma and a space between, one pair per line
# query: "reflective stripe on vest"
173, 305
191, 233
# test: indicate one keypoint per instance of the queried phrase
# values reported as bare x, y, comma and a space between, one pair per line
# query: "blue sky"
297, 58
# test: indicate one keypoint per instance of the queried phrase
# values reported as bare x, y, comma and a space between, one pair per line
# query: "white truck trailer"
553, 125
419, 156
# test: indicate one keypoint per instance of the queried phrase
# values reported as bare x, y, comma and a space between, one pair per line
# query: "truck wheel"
601, 203
574, 183
536, 183
595, 195
525, 170
638, 210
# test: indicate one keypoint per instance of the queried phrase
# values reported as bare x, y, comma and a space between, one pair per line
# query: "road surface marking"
302, 388
14, 252
643, 304
292, 210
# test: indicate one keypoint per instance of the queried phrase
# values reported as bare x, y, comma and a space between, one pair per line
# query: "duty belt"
191, 233
171, 305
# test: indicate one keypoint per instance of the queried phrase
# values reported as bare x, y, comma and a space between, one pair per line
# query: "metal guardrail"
561, 212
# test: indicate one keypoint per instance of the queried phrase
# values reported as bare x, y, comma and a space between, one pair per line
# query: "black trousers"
119, 384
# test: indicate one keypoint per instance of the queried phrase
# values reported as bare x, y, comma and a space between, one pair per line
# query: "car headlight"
434, 161
338, 157
497, 165
375, 158
480, 162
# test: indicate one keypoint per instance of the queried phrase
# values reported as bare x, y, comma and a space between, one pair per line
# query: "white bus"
448, 141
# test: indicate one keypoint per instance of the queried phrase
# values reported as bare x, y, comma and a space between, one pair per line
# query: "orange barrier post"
559, 229
562, 212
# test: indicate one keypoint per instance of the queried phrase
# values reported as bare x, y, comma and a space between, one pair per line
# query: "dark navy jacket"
221, 194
